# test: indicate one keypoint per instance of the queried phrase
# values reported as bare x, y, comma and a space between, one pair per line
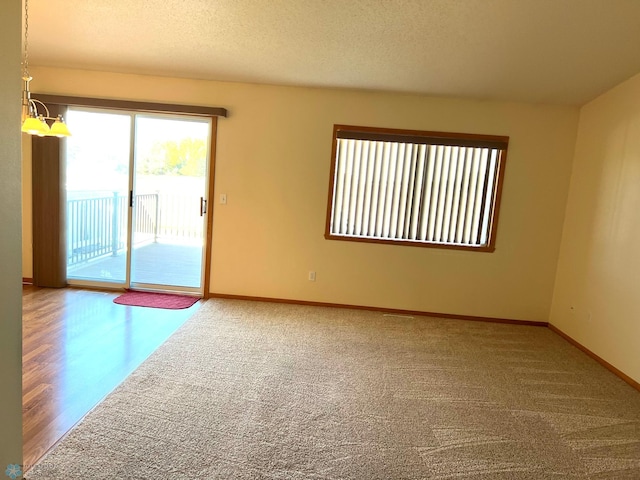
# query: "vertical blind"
409, 191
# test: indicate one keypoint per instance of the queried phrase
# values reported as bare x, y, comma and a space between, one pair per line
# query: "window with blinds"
415, 188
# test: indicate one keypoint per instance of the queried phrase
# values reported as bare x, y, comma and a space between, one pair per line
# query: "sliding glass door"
97, 181
136, 199
170, 202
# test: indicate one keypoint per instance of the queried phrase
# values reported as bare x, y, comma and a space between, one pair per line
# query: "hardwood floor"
77, 347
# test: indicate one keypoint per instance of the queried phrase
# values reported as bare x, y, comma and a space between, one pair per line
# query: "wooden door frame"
210, 204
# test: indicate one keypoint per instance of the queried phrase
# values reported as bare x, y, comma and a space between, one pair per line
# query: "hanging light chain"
25, 63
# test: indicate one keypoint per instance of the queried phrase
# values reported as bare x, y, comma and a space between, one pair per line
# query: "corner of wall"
594, 299
10, 237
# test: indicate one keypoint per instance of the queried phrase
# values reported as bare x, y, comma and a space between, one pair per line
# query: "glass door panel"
97, 187
171, 161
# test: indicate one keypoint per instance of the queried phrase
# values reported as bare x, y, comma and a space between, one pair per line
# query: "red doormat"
156, 300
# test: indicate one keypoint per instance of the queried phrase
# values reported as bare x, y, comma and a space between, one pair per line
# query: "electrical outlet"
312, 276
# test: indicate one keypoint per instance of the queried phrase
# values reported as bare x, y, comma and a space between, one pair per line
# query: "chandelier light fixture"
34, 122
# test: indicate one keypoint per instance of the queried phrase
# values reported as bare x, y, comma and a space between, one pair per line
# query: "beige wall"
596, 297
10, 285
273, 163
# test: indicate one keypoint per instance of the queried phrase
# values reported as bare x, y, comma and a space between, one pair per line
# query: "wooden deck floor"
77, 347
164, 264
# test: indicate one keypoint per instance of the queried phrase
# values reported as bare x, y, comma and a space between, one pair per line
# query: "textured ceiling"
551, 51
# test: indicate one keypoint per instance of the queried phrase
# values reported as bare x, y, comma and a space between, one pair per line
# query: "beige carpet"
250, 390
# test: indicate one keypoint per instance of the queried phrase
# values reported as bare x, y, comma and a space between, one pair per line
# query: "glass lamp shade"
59, 129
34, 126
45, 130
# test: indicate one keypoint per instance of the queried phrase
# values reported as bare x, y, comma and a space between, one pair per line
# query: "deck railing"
97, 226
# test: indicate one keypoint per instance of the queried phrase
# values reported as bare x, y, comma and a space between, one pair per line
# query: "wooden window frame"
426, 138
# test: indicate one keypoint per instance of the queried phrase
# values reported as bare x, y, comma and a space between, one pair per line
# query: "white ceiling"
550, 51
